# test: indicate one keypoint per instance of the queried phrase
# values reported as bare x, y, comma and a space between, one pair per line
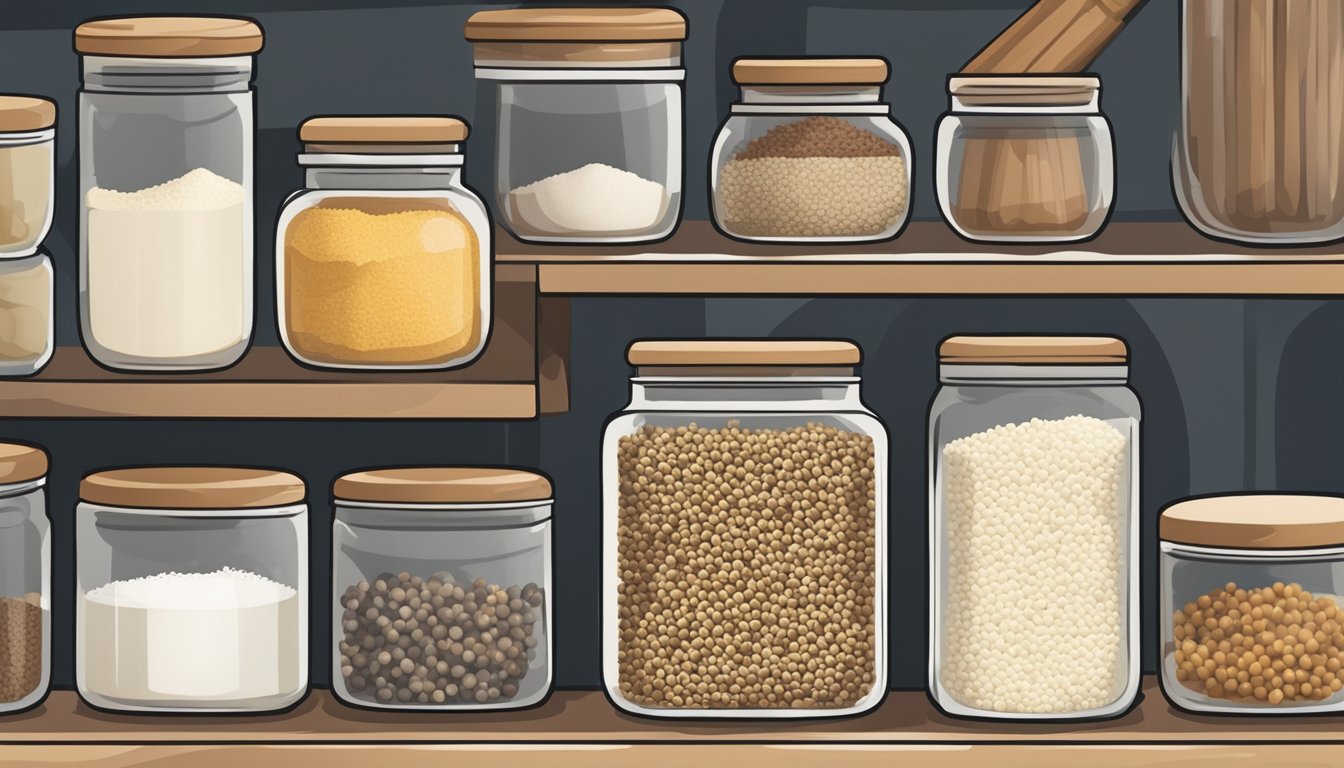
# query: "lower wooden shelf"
581, 728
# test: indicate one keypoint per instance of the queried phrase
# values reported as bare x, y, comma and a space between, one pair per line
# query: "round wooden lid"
21, 463
811, 71
577, 24
1024, 90
26, 113
1256, 521
169, 36
192, 488
384, 129
1057, 350
442, 485
728, 352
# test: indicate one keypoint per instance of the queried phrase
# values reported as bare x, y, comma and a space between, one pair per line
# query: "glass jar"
25, 578
27, 171
384, 261
744, 497
811, 154
1025, 159
165, 171
1252, 591
1259, 157
442, 588
191, 590
1033, 487
589, 143
27, 320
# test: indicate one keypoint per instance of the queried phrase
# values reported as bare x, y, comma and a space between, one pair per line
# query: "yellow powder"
401, 287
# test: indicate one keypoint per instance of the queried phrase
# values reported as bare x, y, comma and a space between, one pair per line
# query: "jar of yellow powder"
383, 261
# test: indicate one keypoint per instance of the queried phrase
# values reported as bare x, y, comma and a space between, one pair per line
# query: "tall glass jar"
27, 172
1259, 158
589, 142
810, 153
384, 260
442, 588
744, 497
1034, 529
165, 165
25, 578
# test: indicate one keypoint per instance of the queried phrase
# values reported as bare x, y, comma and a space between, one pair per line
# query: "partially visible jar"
811, 154
1025, 159
27, 172
27, 319
25, 578
589, 132
1259, 158
165, 159
384, 261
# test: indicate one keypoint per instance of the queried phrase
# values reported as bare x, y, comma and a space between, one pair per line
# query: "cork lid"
811, 71
443, 485
384, 129
818, 352
169, 36
21, 463
1025, 90
26, 113
577, 25
1256, 521
1050, 350
192, 488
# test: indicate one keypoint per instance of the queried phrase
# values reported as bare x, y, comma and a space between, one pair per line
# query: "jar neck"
811, 94
1024, 106
232, 74
739, 393
382, 177
1034, 375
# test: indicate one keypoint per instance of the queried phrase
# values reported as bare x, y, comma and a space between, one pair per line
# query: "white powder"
174, 637
595, 199
170, 267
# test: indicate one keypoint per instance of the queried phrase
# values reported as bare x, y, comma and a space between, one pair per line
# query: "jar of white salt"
191, 590
1034, 528
589, 125
165, 144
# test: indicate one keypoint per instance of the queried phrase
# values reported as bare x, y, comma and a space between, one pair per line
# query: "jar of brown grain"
25, 578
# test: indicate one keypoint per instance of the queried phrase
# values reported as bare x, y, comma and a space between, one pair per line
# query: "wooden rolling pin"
1054, 37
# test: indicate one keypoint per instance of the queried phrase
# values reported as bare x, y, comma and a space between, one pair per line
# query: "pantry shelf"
1129, 258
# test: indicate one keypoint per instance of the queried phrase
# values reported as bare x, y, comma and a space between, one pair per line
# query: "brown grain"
20, 646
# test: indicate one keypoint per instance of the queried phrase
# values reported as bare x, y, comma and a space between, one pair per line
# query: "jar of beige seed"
25, 578
744, 533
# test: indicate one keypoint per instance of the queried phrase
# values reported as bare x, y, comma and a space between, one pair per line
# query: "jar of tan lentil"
25, 578
384, 260
1252, 592
744, 533
810, 153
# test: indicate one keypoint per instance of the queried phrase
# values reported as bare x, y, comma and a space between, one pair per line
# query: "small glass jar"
191, 590
25, 578
442, 588
811, 154
744, 497
27, 319
165, 169
589, 143
27, 173
1033, 489
1025, 159
1252, 592
384, 260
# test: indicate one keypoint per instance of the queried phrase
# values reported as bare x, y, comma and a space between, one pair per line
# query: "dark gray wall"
1237, 394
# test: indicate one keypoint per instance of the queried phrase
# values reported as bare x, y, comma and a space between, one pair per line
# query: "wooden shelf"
1132, 259
580, 728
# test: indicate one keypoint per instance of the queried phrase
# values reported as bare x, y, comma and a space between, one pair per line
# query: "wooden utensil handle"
1054, 37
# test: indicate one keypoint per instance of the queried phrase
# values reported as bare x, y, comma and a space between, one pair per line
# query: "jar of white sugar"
1252, 594
811, 154
191, 590
165, 163
25, 578
589, 124
744, 538
442, 588
27, 173
1034, 528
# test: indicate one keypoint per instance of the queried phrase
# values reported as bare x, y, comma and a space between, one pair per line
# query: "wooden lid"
1057, 350
21, 463
192, 488
383, 129
1026, 90
442, 485
577, 24
811, 71
26, 113
1256, 521
168, 36
730, 352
